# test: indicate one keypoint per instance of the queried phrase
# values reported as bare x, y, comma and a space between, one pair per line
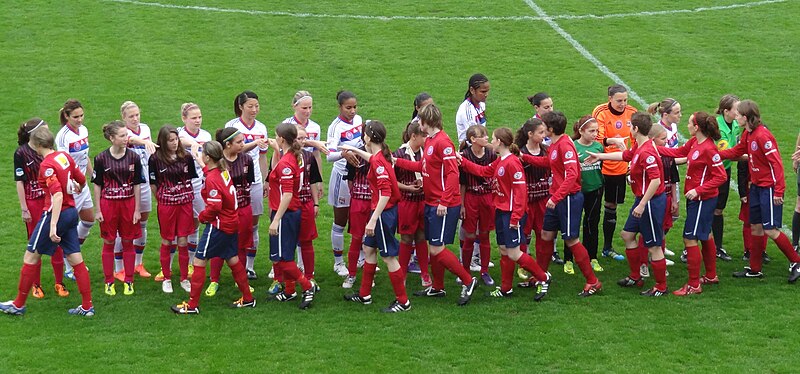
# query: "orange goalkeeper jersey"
612, 125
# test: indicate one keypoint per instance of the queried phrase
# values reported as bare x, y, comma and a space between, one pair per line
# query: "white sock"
140, 242
83, 229
192, 245
251, 260
250, 263
67, 266
173, 247
337, 242
299, 257
118, 265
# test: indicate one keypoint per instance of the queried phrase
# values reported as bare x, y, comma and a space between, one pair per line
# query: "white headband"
36, 127
587, 121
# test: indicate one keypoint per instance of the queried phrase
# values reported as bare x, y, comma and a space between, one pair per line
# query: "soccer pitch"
162, 53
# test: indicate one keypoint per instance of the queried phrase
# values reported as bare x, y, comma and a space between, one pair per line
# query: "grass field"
163, 54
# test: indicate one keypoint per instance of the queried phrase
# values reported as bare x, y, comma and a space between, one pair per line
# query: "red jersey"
173, 180
285, 178
117, 177
219, 194
646, 166
439, 170
357, 176
538, 178
242, 174
382, 181
704, 172
408, 177
311, 176
511, 193
26, 169
766, 166
563, 162
55, 173
478, 184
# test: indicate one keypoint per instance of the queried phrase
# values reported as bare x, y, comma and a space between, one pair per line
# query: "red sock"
757, 252
643, 253
108, 262
437, 274
57, 260
747, 236
278, 271
523, 247
353, 254
468, 245
632, 255
486, 251
164, 258
660, 273
710, 257
198, 279
183, 262
544, 253
399, 285
450, 262
405, 255
307, 252
526, 262
421, 249
84, 284
242, 254
25, 283
785, 245
693, 260
506, 273
128, 259
582, 259
216, 268
240, 277
290, 286
367, 277
37, 274
292, 273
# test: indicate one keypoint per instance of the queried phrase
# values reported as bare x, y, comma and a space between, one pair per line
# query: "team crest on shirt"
348, 135
716, 158
650, 159
569, 154
62, 160
380, 170
448, 151
131, 167
553, 155
618, 125
768, 144
49, 172
213, 193
518, 175
430, 150
754, 145
246, 168
695, 155
287, 171
501, 171
19, 172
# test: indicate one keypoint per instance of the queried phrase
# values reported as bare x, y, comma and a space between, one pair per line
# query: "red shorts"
118, 218
308, 222
478, 213
245, 227
175, 220
360, 211
35, 208
410, 217
744, 213
535, 219
668, 221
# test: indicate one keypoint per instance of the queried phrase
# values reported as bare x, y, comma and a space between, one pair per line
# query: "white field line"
443, 18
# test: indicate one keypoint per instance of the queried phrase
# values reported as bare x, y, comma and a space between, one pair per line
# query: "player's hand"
777, 200
691, 194
638, 211
462, 215
744, 199
273, 228
321, 192
316, 211
26, 216
618, 142
593, 157
441, 210
370, 229
53, 236
674, 208
550, 204
459, 157
514, 227
73, 187
98, 216
150, 147
796, 155
137, 216
265, 192
351, 157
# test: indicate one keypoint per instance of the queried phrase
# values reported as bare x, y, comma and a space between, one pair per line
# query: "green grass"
104, 53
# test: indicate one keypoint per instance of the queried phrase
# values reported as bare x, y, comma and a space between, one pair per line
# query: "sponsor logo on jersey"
79, 145
518, 175
768, 144
62, 160
19, 172
287, 171
226, 177
353, 133
722, 144
650, 159
380, 170
501, 171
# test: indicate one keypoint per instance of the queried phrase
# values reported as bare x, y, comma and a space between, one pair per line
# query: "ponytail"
521, 140
475, 81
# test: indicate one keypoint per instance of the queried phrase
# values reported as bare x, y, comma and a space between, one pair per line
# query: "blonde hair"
125, 106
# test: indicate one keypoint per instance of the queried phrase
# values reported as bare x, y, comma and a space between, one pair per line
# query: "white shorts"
146, 199
257, 198
197, 203
83, 200
338, 190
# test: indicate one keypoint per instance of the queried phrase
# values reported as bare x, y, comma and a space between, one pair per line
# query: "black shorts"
616, 186
724, 191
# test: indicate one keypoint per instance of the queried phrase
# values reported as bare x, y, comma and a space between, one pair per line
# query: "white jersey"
251, 134
76, 143
312, 129
202, 137
467, 115
343, 132
672, 134
143, 134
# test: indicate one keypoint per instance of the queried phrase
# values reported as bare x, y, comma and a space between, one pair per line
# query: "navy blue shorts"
651, 223
506, 236
282, 246
217, 243
66, 228
440, 231
762, 209
384, 238
699, 214
566, 217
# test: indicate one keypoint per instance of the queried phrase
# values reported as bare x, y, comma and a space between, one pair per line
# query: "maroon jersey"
704, 172
646, 166
173, 180
359, 188
477, 184
285, 178
311, 176
766, 166
563, 161
55, 173
538, 179
408, 177
219, 195
243, 175
382, 181
117, 176
26, 170
439, 171
511, 186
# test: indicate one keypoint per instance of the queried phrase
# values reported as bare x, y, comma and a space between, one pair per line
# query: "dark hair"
377, 135
413, 128
663, 107
43, 138
240, 99
475, 81
213, 149
431, 116
288, 132
583, 121
343, 96
749, 110
707, 124
223, 134
506, 136
67, 109
538, 98
110, 129
643, 123
162, 152
556, 121
532, 124
726, 103
474, 130
27, 127
615, 89
418, 100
